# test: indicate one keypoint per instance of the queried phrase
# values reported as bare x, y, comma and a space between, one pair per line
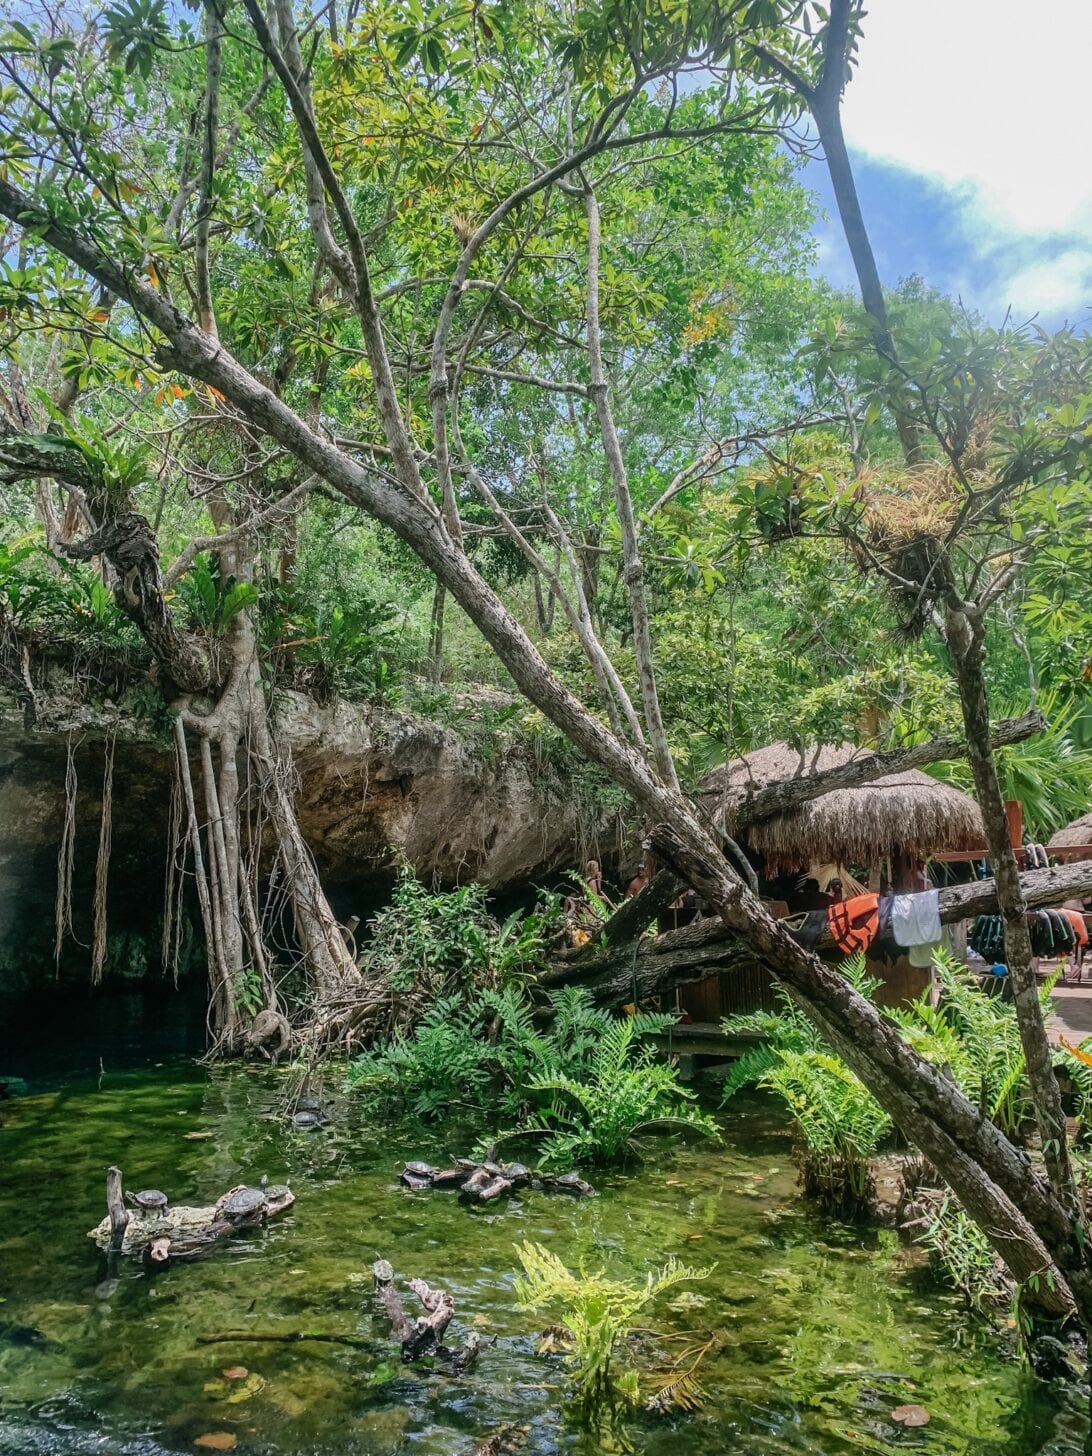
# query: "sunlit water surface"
826, 1329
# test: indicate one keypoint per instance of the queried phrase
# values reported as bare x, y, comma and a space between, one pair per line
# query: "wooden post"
1014, 813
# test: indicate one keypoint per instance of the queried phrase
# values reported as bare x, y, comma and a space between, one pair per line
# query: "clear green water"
827, 1327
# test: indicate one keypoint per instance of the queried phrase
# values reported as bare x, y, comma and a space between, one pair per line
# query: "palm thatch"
1077, 833
856, 826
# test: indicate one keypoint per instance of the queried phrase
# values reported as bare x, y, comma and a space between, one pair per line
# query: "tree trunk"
964, 639
827, 111
623, 505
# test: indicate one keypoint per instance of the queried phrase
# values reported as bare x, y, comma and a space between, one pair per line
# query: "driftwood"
709, 947
181, 1232
486, 1181
423, 1336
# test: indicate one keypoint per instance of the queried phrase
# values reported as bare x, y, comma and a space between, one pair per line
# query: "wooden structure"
882, 832
1074, 841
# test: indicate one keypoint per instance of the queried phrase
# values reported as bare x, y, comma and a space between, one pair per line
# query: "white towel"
915, 919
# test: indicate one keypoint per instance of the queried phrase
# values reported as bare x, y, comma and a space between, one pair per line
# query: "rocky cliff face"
374, 785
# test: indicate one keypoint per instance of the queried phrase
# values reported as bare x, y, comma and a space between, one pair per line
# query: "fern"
974, 1037
597, 1313
625, 1092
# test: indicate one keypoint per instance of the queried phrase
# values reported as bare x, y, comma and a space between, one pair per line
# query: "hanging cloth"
854, 923
915, 919
1076, 919
922, 955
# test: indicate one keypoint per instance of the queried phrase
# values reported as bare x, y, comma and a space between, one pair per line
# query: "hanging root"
102, 864
194, 833
172, 890
66, 855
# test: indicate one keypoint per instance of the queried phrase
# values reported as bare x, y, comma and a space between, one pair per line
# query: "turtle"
149, 1201
574, 1184
382, 1271
274, 1192
243, 1203
517, 1173
308, 1102
307, 1120
418, 1175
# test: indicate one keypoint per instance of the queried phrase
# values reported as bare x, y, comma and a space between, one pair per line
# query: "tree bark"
964, 638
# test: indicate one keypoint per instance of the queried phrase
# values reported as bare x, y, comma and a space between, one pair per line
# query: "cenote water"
826, 1328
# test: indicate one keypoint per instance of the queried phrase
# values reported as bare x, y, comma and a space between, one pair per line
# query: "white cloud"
1056, 286
990, 97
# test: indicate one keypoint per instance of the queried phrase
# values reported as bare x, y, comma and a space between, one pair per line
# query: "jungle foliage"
971, 1035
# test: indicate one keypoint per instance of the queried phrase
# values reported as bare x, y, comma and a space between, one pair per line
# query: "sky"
968, 123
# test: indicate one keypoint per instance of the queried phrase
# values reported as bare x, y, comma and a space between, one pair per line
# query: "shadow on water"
827, 1328
63, 1031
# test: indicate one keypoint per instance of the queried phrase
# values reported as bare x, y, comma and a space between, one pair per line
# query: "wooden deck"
706, 1039
1072, 1013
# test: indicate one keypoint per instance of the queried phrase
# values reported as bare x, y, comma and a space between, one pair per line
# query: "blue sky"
968, 121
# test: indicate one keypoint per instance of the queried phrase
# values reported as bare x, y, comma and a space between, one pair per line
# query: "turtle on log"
150, 1201
418, 1175
150, 1228
243, 1204
485, 1181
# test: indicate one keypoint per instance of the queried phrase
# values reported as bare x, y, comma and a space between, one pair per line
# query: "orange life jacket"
855, 923
1076, 919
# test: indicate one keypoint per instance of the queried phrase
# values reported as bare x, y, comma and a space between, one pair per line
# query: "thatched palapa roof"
853, 826
1079, 832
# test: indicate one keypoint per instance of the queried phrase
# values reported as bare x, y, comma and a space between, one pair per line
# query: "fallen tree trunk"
633, 915
709, 947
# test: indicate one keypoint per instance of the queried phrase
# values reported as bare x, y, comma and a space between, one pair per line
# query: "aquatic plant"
839, 1123
970, 1034
627, 1091
596, 1313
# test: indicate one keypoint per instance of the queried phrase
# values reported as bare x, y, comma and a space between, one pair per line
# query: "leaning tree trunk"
964, 638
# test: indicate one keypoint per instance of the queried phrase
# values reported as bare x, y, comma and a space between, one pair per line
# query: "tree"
540, 161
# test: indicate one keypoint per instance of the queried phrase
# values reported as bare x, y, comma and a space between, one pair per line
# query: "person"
593, 878
642, 878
